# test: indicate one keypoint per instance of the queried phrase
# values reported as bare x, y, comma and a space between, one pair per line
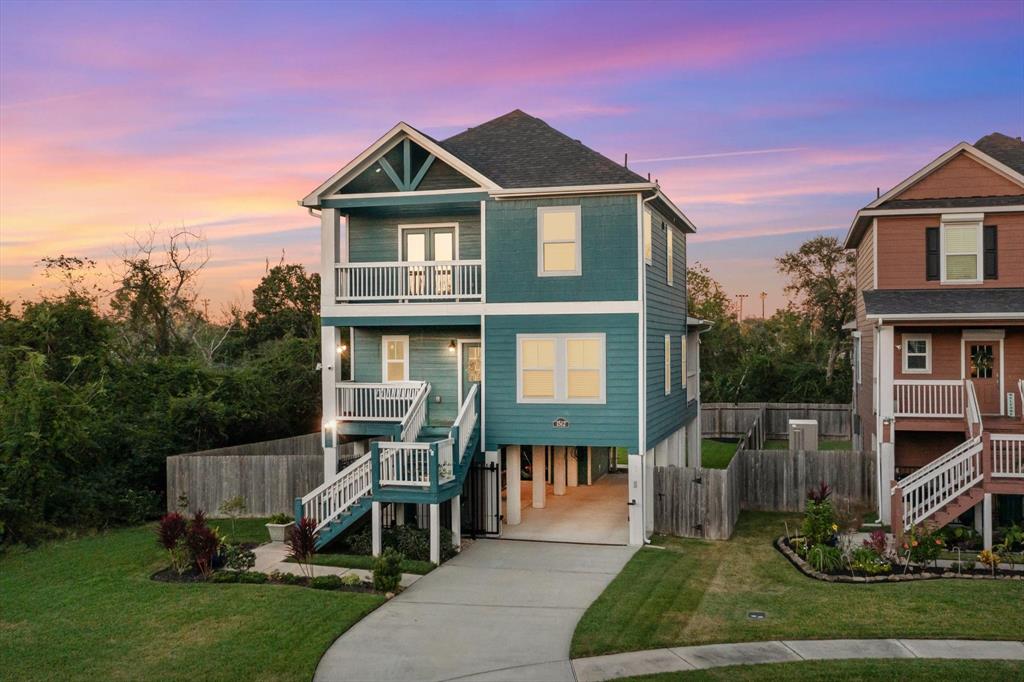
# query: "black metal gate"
481, 500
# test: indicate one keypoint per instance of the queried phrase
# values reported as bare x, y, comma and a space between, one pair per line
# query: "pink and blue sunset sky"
767, 123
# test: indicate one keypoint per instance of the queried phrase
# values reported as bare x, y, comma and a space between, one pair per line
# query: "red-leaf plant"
820, 494
171, 529
302, 544
203, 544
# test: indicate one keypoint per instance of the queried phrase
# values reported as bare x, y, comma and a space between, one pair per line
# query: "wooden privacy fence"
269, 474
733, 420
705, 503
757, 433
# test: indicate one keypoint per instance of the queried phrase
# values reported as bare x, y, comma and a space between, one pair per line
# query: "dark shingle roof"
519, 150
954, 202
1003, 148
943, 301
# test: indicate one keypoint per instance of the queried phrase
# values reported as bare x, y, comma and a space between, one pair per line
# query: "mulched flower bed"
169, 575
913, 573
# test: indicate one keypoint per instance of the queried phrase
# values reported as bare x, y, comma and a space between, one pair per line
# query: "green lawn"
86, 609
918, 670
698, 592
716, 454
822, 445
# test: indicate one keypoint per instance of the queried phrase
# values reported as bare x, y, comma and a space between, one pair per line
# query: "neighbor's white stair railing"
935, 485
1007, 455
466, 420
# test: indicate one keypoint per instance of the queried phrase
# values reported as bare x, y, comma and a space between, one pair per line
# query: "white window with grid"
560, 368
558, 241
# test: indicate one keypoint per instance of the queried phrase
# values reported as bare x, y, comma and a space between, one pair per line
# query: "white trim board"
526, 308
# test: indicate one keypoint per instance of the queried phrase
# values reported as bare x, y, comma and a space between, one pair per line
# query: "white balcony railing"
455, 280
928, 398
405, 464
1007, 455
388, 402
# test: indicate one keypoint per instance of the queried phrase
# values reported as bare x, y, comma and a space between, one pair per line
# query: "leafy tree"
821, 280
286, 302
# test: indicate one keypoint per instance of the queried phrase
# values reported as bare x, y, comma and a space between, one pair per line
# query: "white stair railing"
326, 502
416, 416
466, 421
974, 423
1007, 455
445, 460
935, 485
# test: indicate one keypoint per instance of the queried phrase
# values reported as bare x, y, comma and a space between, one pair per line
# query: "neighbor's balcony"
401, 281
928, 398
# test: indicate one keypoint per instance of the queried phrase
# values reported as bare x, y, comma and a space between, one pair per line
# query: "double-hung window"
558, 241
917, 353
668, 254
962, 248
395, 356
682, 373
562, 368
668, 364
648, 247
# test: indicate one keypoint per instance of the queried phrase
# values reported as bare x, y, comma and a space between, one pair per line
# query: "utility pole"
764, 295
741, 297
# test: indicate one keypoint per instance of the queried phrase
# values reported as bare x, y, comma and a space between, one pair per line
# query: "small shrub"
171, 528
867, 560
239, 558
180, 556
351, 580
287, 578
302, 544
921, 545
819, 494
387, 571
233, 507
960, 537
989, 558
202, 543
280, 519
1013, 537
326, 582
225, 577
412, 542
819, 525
824, 558
877, 543
252, 577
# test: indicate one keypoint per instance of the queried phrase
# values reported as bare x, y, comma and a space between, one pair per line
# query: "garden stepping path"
273, 557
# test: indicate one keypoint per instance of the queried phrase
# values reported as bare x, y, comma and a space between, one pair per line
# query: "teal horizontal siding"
615, 423
429, 360
665, 310
373, 239
608, 249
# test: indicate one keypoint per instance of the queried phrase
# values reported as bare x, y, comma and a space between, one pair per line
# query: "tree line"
98, 386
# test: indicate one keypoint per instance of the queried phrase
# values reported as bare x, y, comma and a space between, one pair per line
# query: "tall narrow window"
856, 358
682, 373
583, 362
537, 367
648, 248
668, 253
961, 249
558, 241
395, 356
668, 364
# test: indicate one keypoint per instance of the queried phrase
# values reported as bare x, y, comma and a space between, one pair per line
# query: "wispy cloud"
722, 155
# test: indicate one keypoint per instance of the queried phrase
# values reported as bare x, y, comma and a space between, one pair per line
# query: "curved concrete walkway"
681, 659
501, 610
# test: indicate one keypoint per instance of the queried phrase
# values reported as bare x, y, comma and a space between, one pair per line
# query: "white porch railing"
933, 486
376, 401
1007, 455
417, 415
329, 500
405, 464
409, 281
974, 422
467, 419
445, 461
928, 398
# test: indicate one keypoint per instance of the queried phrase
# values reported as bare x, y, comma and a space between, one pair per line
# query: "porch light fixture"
451, 346
342, 348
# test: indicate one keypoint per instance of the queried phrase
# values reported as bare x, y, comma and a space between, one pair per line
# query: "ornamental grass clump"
302, 544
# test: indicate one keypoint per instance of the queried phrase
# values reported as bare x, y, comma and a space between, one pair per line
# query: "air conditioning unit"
803, 434
1011, 404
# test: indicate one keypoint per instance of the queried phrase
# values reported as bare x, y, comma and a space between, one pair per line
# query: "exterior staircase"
412, 463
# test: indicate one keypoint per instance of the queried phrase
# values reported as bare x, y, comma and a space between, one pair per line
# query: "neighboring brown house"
939, 339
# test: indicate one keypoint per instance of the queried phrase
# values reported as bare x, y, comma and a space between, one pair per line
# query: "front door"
982, 363
424, 246
471, 366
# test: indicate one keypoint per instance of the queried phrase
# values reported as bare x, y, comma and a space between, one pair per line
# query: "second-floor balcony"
402, 281
929, 398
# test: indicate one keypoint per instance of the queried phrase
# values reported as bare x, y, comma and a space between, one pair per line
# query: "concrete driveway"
501, 610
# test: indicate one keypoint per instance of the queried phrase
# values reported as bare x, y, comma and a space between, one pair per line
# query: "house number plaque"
560, 423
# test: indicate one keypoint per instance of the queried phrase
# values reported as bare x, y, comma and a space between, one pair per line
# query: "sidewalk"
271, 557
678, 659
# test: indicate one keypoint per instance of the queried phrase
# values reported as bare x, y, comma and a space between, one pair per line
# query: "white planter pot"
279, 531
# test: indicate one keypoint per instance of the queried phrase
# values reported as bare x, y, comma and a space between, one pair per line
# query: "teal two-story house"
512, 305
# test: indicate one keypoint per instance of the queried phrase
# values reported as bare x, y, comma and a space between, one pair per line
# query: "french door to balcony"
432, 249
